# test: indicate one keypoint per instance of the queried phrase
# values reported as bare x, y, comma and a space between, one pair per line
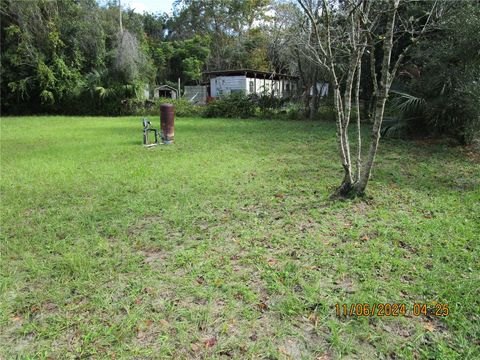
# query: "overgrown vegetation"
72, 57
182, 107
440, 87
224, 245
239, 105
77, 57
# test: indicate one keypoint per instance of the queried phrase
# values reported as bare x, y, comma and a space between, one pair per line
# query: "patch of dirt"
308, 226
407, 247
344, 284
396, 327
147, 332
151, 257
143, 224
293, 348
309, 336
361, 208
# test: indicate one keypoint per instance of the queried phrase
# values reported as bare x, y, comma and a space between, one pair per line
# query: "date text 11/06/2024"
362, 309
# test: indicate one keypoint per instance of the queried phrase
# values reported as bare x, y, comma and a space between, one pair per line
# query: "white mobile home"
227, 82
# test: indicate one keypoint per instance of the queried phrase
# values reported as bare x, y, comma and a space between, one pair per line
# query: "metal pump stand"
146, 130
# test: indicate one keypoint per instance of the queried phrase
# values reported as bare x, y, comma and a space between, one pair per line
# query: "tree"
230, 25
286, 56
342, 32
45, 48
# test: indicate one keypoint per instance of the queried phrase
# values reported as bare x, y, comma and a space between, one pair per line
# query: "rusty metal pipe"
167, 119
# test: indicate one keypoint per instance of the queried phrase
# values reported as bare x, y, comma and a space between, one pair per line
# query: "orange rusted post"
167, 118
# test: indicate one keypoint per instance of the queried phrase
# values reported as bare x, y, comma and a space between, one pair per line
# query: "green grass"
112, 250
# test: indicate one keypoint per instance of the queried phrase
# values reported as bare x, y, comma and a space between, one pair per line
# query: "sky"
154, 6
150, 5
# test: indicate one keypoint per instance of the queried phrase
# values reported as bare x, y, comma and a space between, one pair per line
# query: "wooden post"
247, 84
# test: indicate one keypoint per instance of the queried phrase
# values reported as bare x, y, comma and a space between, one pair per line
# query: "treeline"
77, 57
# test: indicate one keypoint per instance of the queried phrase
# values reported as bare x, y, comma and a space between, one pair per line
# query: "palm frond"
104, 92
408, 103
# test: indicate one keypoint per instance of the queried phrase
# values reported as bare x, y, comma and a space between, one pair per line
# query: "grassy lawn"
224, 245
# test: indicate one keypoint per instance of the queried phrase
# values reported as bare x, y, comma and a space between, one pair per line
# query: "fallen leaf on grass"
323, 357
148, 322
210, 342
365, 238
149, 290
429, 326
50, 306
262, 306
279, 196
272, 262
164, 322
313, 318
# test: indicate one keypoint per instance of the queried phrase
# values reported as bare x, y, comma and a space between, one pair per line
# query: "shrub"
327, 113
183, 108
236, 105
292, 110
458, 112
239, 105
267, 104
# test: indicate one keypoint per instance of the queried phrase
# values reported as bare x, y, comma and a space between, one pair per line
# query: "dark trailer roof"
250, 73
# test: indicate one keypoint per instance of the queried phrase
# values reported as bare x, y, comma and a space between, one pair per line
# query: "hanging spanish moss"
128, 59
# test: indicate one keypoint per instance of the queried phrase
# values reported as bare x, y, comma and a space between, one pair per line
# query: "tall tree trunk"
120, 16
359, 128
347, 181
313, 98
380, 102
354, 66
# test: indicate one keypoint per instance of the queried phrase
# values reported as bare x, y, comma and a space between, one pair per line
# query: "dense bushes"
239, 105
182, 107
236, 105
440, 90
